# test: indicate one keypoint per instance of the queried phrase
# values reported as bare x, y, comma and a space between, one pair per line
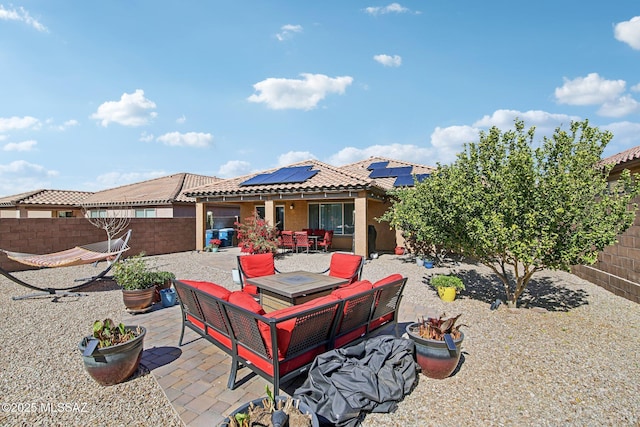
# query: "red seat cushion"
388, 279
344, 265
210, 288
246, 301
285, 329
352, 289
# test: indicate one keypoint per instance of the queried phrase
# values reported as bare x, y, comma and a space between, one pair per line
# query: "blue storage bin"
226, 236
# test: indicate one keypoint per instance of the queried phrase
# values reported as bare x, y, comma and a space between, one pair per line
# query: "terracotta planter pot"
434, 357
138, 299
399, 250
112, 365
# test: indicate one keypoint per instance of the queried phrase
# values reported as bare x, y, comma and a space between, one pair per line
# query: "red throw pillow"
388, 279
246, 301
352, 289
285, 329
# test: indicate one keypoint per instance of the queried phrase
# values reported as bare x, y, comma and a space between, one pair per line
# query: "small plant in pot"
137, 282
438, 343
112, 353
161, 280
447, 286
280, 411
213, 245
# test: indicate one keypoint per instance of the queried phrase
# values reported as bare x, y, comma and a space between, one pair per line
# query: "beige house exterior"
43, 204
313, 194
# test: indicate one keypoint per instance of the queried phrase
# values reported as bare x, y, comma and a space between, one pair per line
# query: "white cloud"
20, 176
14, 123
21, 15
146, 137
629, 32
181, 120
303, 94
131, 110
590, 90
382, 10
545, 122
20, 146
294, 157
234, 168
287, 31
619, 107
449, 141
189, 139
389, 61
625, 135
68, 124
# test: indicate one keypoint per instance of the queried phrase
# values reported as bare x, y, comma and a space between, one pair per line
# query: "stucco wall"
46, 235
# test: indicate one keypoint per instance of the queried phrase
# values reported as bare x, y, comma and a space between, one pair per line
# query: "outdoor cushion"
352, 289
285, 329
210, 288
285, 367
344, 266
388, 279
256, 265
246, 301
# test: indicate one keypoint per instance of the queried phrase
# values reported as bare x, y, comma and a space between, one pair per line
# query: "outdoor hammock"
79, 255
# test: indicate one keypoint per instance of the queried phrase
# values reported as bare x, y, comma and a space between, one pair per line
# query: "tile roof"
623, 157
354, 176
159, 191
46, 197
361, 169
328, 178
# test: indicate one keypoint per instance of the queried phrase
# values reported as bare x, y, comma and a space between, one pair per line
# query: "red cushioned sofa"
238, 325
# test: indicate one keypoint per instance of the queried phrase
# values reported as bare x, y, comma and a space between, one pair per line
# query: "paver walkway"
194, 376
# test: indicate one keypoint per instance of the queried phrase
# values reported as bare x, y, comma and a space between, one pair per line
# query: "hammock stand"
80, 255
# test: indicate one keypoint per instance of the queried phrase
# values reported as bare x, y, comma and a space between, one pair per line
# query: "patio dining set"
307, 239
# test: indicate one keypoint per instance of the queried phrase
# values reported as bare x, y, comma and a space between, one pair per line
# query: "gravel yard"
570, 356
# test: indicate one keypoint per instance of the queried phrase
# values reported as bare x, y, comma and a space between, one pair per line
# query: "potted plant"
278, 411
213, 245
112, 353
447, 286
428, 263
162, 280
137, 282
438, 342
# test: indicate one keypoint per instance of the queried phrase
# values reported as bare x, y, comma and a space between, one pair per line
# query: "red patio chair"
326, 240
346, 266
302, 240
287, 240
256, 265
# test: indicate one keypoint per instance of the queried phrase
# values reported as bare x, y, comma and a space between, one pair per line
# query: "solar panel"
377, 165
291, 174
408, 180
389, 172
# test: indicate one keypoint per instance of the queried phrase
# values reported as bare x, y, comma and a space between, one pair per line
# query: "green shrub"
442, 281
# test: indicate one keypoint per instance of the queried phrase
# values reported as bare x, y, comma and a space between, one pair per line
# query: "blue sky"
104, 93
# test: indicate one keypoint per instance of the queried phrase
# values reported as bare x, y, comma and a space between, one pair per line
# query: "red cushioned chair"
287, 240
326, 241
302, 240
345, 266
256, 265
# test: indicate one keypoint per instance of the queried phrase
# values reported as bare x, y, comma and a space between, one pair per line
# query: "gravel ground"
569, 356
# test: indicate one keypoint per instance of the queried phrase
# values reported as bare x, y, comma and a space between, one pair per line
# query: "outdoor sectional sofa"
238, 325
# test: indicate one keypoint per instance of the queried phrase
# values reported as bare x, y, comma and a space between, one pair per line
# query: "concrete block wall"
618, 266
153, 236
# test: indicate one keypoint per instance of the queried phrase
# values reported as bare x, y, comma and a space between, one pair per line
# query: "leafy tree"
520, 209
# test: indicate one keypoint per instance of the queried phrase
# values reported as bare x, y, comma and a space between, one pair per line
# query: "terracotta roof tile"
623, 157
46, 197
159, 191
328, 178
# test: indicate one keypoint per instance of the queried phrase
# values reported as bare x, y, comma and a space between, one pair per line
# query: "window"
261, 211
338, 217
65, 214
146, 213
98, 213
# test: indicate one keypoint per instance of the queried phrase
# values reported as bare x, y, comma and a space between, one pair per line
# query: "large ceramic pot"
112, 365
258, 402
138, 299
434, 357
447, 294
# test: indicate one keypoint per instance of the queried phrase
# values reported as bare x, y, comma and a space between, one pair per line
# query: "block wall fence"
618, 266
154, 236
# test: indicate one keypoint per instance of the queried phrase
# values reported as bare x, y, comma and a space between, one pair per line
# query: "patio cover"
372, 376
